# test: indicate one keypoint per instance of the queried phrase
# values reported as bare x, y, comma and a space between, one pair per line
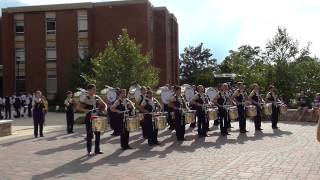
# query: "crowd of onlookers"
16, 106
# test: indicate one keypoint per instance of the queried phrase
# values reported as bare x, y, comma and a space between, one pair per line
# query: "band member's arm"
268, 98
66, 102
171, 103
131, 105
318, 131
114, 107
101, 103
158, 103
250, 98
194, 99
215, 100
142, 105
234, 99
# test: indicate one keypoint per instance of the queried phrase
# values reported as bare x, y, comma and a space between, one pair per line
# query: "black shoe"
244, 131
90, 154
42, 135
100, 152
125, 148
259, 129
157, 143
35, 136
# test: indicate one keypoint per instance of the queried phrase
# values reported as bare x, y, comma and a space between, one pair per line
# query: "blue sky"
223, 25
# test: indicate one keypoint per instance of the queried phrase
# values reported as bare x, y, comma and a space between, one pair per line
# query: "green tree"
122, 64
82, 66
282, 51
197, 66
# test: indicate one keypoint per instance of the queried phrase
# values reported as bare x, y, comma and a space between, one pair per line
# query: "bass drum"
134, 92
166, 94
111, 94
211, 92
189, 93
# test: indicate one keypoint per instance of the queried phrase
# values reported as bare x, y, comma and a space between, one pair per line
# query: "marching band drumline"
181, 106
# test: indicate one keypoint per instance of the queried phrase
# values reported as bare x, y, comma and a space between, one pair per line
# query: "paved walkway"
289, 153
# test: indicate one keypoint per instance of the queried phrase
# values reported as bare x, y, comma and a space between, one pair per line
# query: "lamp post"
18, 75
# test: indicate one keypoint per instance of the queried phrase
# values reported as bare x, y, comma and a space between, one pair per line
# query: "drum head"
211, 92
137, 94
104, 91
165, 94
189, 93
111, 94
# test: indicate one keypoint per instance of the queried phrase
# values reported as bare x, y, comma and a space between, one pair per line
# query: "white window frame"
47, 54
22, 58
56, 88
15, 28
83, 18
83, 50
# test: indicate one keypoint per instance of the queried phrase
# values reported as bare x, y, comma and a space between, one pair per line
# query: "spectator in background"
1, 107
302, 100
23, 104
316, 106
29, 104
38, 114
17, 105
46, 108
318, 129
7, 106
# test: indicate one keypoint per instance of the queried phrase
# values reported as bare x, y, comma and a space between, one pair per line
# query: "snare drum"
132, 123
100, 123
267, 109
233, 112
251, 111
189, 117
160, 122
212, 114
140, 116
283, 109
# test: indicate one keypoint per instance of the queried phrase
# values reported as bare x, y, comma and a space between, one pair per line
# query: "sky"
224, 25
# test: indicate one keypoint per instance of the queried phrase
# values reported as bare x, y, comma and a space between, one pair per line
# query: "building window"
83, 23
52, 84
19, 28
20, 84
20, 55
83, 51
51, 26
51, 54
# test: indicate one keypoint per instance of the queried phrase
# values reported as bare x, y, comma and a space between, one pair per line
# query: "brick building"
39, 44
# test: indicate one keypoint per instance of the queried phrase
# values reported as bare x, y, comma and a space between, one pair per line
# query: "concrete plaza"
288, 153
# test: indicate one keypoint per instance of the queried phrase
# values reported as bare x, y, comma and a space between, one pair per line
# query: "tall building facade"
40, 44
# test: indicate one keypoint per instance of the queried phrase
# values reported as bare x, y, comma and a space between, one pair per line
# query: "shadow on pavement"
143, 151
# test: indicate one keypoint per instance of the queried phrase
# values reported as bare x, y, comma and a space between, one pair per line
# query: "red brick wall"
0, 42
67, 46
8, 56
108, 21
148, 26
161, 44
35, 43
174, 50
